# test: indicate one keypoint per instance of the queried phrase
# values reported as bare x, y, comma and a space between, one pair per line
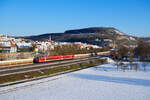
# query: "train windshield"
36, 58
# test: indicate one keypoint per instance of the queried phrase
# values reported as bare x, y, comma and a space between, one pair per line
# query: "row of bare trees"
143, 51
140, 53
73, 49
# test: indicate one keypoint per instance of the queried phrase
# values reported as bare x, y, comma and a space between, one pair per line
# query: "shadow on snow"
130, 81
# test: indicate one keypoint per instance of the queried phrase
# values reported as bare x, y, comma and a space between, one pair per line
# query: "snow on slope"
109, 60
103, 82
118, 32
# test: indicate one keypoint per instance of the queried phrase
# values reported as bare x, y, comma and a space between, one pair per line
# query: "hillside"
93, 35
101, 30
146, 39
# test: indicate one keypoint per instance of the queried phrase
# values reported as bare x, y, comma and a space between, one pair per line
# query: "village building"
8, 47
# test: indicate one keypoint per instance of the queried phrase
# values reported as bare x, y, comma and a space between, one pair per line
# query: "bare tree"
142, 51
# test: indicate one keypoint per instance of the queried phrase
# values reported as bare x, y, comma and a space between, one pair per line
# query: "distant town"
76, 41
11, 45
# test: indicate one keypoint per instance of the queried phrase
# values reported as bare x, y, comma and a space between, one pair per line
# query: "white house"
8, 47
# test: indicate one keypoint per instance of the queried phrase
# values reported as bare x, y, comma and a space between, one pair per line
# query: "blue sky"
32, 17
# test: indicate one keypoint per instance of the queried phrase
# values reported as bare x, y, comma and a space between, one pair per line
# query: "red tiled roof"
12, 44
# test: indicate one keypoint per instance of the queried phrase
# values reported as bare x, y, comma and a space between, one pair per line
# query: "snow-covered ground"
103, 82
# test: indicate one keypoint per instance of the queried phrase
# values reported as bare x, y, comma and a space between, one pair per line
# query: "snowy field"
102, 82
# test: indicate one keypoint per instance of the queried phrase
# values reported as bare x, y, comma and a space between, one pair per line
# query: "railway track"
39, 65
8, 72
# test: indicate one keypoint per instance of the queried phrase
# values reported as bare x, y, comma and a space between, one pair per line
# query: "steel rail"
50, 67
33, 66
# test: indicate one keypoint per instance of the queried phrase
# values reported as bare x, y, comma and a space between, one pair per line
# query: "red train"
52, 58
64, 57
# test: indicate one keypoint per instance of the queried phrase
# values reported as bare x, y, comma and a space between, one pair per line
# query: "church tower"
51, 44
